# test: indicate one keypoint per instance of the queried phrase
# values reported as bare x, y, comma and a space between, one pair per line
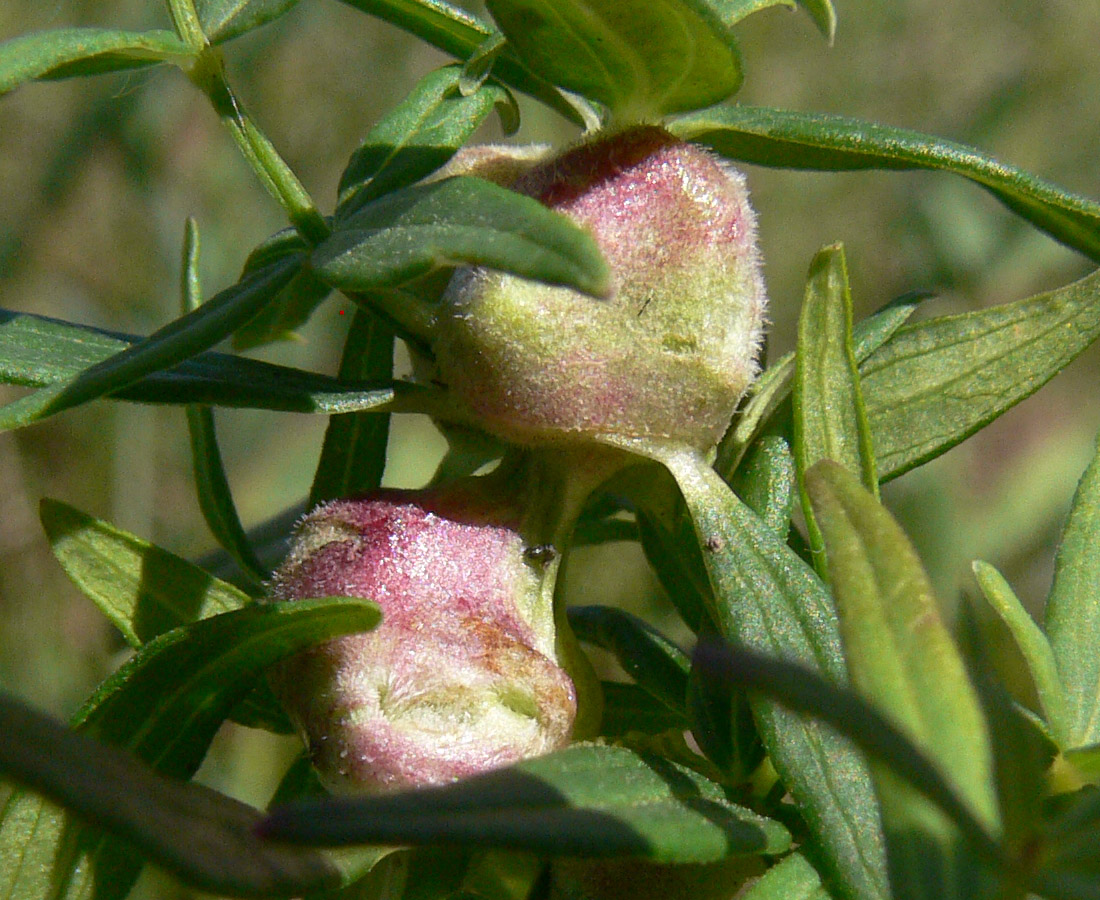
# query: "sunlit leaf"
936, 382
788, 139
223, 20
642, 59
1032, 643
457, 221
1073, 611
68, 52
416, 137
902, 658
829, 417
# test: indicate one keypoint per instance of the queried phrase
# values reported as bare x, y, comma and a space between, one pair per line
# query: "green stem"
188, 27
208, 74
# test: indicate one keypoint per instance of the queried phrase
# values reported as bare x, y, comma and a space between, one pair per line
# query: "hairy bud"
668, 354
461, 674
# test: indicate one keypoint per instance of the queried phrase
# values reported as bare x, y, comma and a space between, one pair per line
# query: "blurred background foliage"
97, 177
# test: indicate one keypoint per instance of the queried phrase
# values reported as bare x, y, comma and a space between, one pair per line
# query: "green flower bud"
459, 677
668, 354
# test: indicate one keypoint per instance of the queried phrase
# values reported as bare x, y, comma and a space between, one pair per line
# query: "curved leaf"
1073, 611
642, 59
829, 417
223, 20
821, 11
194, 832
141, 588
588, 800
463, 35
69, 52
36, 351
164, 706
788, 139
457, 221
172, 344
415, 138
902, 658
768, 599
937, 382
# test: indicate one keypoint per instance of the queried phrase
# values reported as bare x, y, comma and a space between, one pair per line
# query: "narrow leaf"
765, 480
829, 418
628, 709
655, 663
787, 139
642, 59
141, 588
805, 691
821, 11
36, 351
462, 34
1073, 611
69, 52
1033, 645
215, 495
937, 382
223, 20
793, 878
175, 342
164, 706
287, 311
766, 598
773, 389
901, 657
588, 800
353, 456
416, 137
457, 221
199, 835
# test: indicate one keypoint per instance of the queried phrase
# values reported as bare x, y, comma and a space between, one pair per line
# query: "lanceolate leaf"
1033, 645
829, 418
37, 351
642, 59
462, 35
353, 456
792, 879
416, 138
766, 598
456, 221
1073, 611
937, 382
592, 801
175, 342
188, 829
141, 588
821, 11
223, 20
68, 52
902, 658
165, 706
788, 139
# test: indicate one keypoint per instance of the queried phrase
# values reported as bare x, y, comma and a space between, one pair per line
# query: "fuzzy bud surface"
668, 354
458, 678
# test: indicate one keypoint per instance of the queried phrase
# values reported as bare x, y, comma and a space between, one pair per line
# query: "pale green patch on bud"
460, 676
673, 349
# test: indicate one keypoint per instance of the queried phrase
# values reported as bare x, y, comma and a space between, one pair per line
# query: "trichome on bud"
460, 676
668, 354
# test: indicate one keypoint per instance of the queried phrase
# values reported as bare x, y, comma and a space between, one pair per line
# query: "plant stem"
208, 74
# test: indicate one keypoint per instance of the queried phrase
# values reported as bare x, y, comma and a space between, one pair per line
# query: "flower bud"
459, 677
668, 354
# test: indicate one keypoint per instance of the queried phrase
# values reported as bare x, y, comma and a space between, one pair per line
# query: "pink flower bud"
673, 349
461, 674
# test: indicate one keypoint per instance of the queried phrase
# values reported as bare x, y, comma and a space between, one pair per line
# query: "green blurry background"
98, 176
